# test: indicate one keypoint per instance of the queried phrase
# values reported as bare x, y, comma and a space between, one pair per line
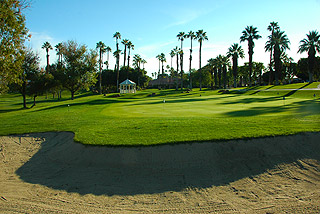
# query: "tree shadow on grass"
294, 91
100, 101
305, 108
248, 100
257, 91
64, 165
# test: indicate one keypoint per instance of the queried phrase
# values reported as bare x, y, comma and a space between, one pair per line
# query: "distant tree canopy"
303, 69
13, 34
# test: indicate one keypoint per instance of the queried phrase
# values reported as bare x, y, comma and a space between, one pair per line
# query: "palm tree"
143, 61
108, 50
181, 36
176, 50
235, 51
192, 36
159, 58
162, 59
272, 27
125, 43
249, 34
279, 42
59, 49
130, 47
200, 36
102, 49
172, 54
117, 36
47, 46
311, 45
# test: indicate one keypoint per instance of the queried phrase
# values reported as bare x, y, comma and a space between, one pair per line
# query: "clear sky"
152, 26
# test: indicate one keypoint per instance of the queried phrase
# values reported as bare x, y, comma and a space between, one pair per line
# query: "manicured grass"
168, 117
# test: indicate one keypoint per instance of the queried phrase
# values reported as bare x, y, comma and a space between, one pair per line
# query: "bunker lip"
54, 164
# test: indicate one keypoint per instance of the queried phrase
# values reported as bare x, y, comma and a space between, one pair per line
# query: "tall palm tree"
181, 36
130, 47
108, 50
143, 61
172, 54
201, 36
47, 46
125, 43
249, 34
176, 50
311, 45
192, 36
272, 28
102, 49
235, 51
159, 58
117, 36
279, 42
163, 59
59, 49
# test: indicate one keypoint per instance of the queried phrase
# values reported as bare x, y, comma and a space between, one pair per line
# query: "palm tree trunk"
311, 60
250, 69
270, 72
47, 70
128, 57
235, 71
215, 77
225, 77
200, 78
100, 71
125, 56
211, 72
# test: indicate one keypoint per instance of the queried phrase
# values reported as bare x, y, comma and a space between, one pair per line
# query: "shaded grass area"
167, 117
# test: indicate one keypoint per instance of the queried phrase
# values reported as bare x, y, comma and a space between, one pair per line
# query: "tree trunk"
100, 62
277, 64
219, 76
250, 61
311, 60
24, 86
270, 72
34, 101
125, 56
225, 77
72, 95
215, 77
211, 71
235, 71
200, 78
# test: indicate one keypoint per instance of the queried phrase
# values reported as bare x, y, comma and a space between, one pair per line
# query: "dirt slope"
49, 173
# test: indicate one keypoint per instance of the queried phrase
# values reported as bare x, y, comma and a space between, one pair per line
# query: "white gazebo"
127, 87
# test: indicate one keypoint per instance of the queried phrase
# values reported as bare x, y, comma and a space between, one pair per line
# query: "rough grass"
168, 117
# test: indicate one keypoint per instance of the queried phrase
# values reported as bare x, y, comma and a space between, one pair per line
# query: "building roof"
128, 82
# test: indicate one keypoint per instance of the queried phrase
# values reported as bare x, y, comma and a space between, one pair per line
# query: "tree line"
221, 68
79, 68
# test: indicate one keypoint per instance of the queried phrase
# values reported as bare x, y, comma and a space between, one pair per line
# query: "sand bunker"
48, 172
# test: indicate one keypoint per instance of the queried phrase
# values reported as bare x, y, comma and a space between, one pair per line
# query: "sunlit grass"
167, 117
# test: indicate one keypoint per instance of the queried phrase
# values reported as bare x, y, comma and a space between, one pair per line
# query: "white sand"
49, 173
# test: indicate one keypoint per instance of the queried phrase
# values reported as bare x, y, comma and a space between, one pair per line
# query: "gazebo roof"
128, 82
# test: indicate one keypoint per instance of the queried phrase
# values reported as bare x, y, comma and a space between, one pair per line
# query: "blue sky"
152, 26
